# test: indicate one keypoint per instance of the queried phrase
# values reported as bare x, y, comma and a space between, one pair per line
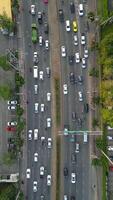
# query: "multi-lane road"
70, 103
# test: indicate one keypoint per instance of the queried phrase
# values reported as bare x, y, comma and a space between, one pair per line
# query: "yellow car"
74, 26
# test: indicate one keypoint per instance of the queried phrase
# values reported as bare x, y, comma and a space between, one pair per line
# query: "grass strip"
57, 96
58, 169
102, 7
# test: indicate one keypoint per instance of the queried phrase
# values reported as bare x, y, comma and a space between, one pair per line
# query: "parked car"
12, 123
12, 102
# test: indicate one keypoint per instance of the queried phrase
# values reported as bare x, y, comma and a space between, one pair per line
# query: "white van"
85, 137
35, 72
81, 10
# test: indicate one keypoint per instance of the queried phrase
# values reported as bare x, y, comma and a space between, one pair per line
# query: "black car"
48, 71
40, 17
65, 171
72, 78
72, 7
86, 107
46, 28
72, 198
61, 15
79, 122
80, 79
71, 59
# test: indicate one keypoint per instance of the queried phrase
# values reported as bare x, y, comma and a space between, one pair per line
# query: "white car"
41, 171
83, 63
85, 53
77, 148
49, 143
65, 197
68, 26
110, 148
46, 44
48, 96
11, 107
110, 137
36, 89
35, 57
77, 57
80, 96
48, 180
35, 134
12, 102
75, 40
48, 122
40, 41
65, 91
41, 75
83, 39
28, 173
33, 9
35, 157
13, 123
29, 134
73, 177
34, 186
63, 51
81, 10
36, 107
42, 107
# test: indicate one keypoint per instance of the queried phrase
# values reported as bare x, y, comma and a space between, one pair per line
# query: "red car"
45, 1
12, 129
111, 168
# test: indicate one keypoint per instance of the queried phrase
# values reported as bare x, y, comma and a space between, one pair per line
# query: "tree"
99, 143
91, 16
5, 92
8, 192
4, 64
8, 158
94, 72
95, 122
19, 80
20, 126
96, 162
6, 22
20, 110
96, 100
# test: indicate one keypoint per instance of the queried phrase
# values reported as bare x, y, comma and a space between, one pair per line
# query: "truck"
35, 72
34, 33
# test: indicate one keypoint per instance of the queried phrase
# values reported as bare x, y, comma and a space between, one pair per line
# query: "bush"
5, 92
20, 111
4, 64
19, 80
96, 162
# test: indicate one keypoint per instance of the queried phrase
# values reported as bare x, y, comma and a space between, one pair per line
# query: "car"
36, 89
86, 107
85, 137
71, 59
48, 96
63, 51
33, 9
75, 40
73, 116
35, 134
73, 177
34, 186
80, 94
72, 198
42, 140
110, 137
35, 157
111, 168
13, 107
77, 57
28, 173
68, 26
41, 171
40, 17
73, 158
110, 148
45, 1
35, 57
61, 15
48, 122
65, 90
46, 28
49, 143
65, 197
49, 180
83, 39
80, 79
79, 122
66, 128
85, 53
75, 26
81, 10
41, 75
29, 134
72, 7
72, 78
48, 72
65, 171
12, 102
41, 197
42, 107
40, 40
83, 63
46, 44
36, 107
77, 147
12, 123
